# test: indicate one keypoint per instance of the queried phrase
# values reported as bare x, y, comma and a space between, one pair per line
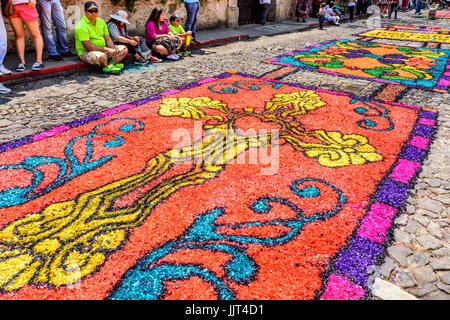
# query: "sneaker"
119, 65
110, 68
68, 54
4, 71
55, 57
37, 66
173, 57
154, 59
141, 61
20, 67
195, 41
4, 89
146, 55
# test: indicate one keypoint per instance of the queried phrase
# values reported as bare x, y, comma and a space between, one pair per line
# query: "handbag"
7, 8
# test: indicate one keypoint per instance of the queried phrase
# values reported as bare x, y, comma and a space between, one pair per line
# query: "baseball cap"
89, 5
174, 17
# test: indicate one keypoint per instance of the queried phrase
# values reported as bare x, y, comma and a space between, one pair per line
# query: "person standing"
3, 48
301, 10
26, 13
420, 4
192, 9
265, 5
351, 9
51, 11
394, 4
361, 7
321, 15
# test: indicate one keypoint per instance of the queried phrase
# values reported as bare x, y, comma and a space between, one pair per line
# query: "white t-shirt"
351, 3
264, 1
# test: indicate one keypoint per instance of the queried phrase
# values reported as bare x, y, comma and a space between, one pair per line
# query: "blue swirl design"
249, 85
147, 279
380, 112
68, 168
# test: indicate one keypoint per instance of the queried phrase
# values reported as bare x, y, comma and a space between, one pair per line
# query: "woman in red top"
159, 38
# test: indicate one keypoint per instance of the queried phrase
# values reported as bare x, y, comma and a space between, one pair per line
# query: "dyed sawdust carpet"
416, 28
406, 36
421, 68
443, 14
234, 187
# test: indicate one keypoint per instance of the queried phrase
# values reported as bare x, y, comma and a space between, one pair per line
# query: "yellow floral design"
338, 150
341, 149
295, 103
191, 108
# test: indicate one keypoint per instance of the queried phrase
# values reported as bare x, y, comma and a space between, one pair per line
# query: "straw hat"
120, 16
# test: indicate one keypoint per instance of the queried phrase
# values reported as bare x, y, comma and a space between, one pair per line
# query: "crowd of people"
97, 42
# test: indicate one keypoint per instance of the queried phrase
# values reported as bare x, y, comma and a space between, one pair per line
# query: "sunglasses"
92, 11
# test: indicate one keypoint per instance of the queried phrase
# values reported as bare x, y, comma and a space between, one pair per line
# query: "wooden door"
248, 10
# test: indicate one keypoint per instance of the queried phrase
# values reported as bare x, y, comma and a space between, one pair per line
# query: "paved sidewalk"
206, 37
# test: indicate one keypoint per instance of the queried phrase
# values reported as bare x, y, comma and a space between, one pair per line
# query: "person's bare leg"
103, 60
33, 26
120, 56
160, 49
19, 32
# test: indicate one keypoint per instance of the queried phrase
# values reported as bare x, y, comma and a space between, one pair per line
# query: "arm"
90, 47
132, 41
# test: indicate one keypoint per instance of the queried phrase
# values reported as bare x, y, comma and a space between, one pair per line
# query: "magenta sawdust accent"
117, 109
50, 133
341, 288
375, 225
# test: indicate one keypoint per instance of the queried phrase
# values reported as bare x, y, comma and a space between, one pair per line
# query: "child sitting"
177, 29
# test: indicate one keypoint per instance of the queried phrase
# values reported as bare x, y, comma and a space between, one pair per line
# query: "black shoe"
68, 54
195, 41
55, 57
37, 66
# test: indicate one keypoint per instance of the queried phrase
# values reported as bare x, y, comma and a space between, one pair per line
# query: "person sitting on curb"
136, 46
330, 15
93, 43
159, 38
177, 29
51, 10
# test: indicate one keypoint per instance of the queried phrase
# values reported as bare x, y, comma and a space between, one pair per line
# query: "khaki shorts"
93, 57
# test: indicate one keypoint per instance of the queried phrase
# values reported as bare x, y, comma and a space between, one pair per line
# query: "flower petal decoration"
186, 107
341, 149
295, 103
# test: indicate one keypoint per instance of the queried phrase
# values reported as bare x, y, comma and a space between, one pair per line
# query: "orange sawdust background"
289, 271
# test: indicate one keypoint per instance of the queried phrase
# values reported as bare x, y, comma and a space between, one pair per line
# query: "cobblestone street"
418, 259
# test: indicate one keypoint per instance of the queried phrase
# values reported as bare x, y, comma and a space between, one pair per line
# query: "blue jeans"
192, 10
3, 39
52, 11
393, 8
419, 6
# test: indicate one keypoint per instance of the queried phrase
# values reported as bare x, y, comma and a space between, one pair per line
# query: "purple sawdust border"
348, 275
442, 85
361, 34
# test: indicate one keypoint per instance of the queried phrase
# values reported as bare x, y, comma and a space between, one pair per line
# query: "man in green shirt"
93, 43
177, 29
